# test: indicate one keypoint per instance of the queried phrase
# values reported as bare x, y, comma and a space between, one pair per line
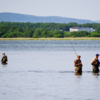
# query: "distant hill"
98, 21
14, 17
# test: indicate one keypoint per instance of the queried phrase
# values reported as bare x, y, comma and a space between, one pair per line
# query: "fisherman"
78, 64
4, 58
95, 63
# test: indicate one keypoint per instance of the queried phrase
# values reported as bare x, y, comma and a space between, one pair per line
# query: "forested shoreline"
45, 30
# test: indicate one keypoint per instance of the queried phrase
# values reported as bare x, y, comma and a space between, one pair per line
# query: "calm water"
44, 70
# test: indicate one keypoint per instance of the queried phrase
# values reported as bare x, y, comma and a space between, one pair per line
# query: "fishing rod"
73, 47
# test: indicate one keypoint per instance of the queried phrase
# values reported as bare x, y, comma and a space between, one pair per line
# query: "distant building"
60, 29
72, 29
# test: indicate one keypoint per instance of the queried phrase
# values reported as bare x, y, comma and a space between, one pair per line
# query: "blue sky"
80, 9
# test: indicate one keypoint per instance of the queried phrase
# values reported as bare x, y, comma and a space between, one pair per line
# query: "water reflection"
95, 74
4, 64
78, 74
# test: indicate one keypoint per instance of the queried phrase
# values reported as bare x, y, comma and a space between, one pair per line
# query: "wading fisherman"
95, 63
4, 58
78, 64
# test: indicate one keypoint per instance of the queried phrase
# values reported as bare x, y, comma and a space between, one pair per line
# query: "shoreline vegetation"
47, 31
68, 38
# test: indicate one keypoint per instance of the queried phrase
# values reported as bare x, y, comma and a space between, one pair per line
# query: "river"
44, 70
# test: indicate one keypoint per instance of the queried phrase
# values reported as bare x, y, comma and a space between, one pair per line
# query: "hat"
97, 54
78, 56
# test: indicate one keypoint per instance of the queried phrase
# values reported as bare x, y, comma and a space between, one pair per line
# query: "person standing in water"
78, 64
95, 63
4, 58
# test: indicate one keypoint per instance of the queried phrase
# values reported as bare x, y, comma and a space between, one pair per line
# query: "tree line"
38, 30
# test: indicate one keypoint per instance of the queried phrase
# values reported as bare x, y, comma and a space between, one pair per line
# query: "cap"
78, 56
97, 54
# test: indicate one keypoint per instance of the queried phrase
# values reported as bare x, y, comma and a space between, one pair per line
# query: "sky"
80, 9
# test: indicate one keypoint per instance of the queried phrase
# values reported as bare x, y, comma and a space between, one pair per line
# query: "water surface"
44, 70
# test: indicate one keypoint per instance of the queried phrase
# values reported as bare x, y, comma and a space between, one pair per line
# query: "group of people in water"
77, 63
95, 63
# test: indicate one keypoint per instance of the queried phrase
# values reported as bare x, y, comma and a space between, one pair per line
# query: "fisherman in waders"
95, 63
4, 58
78, 65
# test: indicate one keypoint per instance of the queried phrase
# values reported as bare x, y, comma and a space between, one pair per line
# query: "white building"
72, 29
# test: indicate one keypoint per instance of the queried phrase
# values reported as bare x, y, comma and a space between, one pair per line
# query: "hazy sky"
81, 9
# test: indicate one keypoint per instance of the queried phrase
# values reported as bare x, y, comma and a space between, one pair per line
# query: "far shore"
67, 38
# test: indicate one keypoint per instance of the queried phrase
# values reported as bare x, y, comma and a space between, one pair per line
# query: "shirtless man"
78, 64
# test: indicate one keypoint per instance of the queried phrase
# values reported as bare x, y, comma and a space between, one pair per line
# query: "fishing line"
73, 47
